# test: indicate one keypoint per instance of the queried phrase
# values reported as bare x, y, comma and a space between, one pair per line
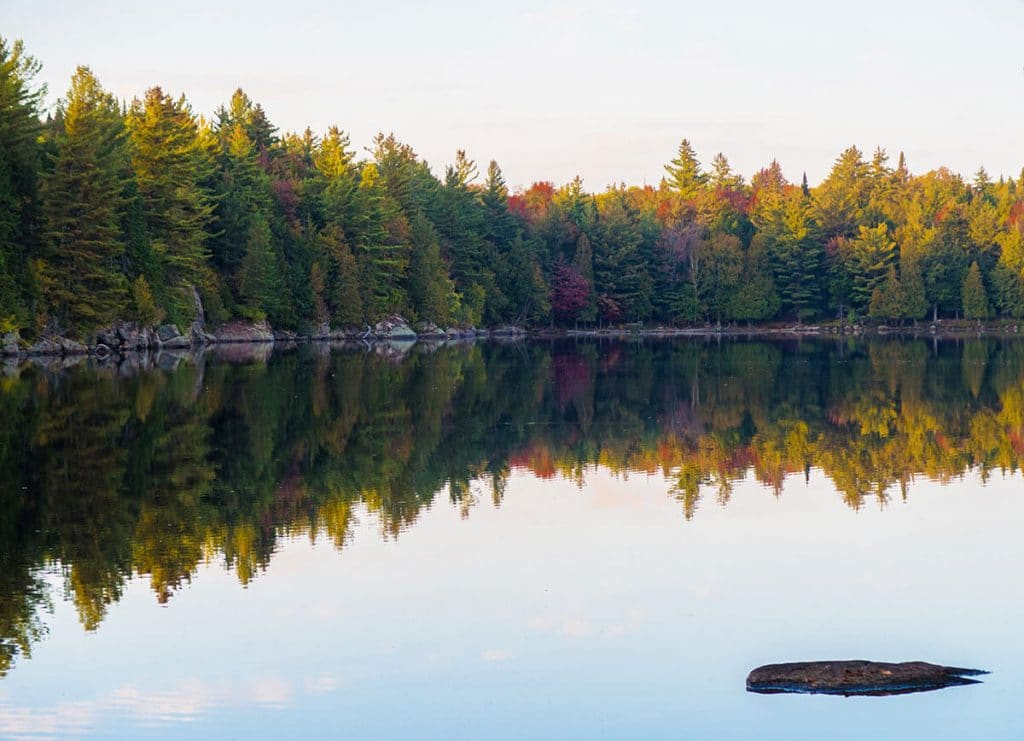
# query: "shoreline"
398, 335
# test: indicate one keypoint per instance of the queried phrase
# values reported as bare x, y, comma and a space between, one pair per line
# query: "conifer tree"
684, 174
81, 268
431, 291
337, 265
19, 170
887, 300
873, 253
915, 302
975, 299
169, 167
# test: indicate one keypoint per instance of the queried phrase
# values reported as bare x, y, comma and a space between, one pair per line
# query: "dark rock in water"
857, 677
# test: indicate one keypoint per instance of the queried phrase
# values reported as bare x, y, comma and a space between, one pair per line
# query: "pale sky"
601, 89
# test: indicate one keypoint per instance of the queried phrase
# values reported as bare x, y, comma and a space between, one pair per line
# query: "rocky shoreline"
128, 337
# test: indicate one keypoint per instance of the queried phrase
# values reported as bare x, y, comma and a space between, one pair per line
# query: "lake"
534, 540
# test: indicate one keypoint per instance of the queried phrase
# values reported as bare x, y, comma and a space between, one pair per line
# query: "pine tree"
431, 291
684, 174
915, 302
872, 254
887, 300
80, 270
797, 258
382, 248
337, 264
975, 299
146, 311
19, 169
756, 299
260, 284
169, 168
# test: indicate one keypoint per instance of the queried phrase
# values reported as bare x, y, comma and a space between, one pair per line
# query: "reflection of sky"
598, 613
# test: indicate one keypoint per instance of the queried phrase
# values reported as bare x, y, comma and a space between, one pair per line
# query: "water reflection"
110, 472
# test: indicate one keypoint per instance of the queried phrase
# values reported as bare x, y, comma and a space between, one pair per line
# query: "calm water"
557, 541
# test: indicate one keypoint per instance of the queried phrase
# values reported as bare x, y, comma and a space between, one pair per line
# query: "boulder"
857, 677
429, 331
71, 347
10, 344
45, 347
167, 332
170, 338
509, 330
244, 332
394, 328
132, 336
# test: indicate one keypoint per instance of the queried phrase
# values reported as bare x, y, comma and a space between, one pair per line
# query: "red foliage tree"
569, 291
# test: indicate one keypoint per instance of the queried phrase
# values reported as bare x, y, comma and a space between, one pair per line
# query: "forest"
113, 210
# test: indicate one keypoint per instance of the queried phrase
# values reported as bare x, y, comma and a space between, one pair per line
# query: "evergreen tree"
915, 301
431, 291
19, 171
337, 269
260, 284
873, 252
81, 268
684, 174
975, 299
887, 301
169, 166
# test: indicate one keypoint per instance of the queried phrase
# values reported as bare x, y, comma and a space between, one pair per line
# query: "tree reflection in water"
104, 474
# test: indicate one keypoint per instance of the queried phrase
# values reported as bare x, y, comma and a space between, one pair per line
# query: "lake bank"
125, 338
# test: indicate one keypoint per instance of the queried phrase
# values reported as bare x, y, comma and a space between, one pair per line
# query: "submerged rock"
857, 677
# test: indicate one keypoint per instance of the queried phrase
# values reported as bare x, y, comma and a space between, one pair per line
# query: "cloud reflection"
153, 708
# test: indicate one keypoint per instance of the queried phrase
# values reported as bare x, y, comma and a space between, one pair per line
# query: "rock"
284, 335
108, 337
244, 332
101, 351
429, 331
132, 336
509, 331
857, 677
45, 347
70, 347
167, 332
10, 344
394, 328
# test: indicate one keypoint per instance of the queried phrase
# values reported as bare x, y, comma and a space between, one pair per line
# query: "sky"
604, 90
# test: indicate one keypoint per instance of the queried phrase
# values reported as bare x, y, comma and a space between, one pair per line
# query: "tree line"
125, 211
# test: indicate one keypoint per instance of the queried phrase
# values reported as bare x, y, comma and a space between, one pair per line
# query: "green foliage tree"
685, 176
975, 298
81, 264
20, 158
169, 167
